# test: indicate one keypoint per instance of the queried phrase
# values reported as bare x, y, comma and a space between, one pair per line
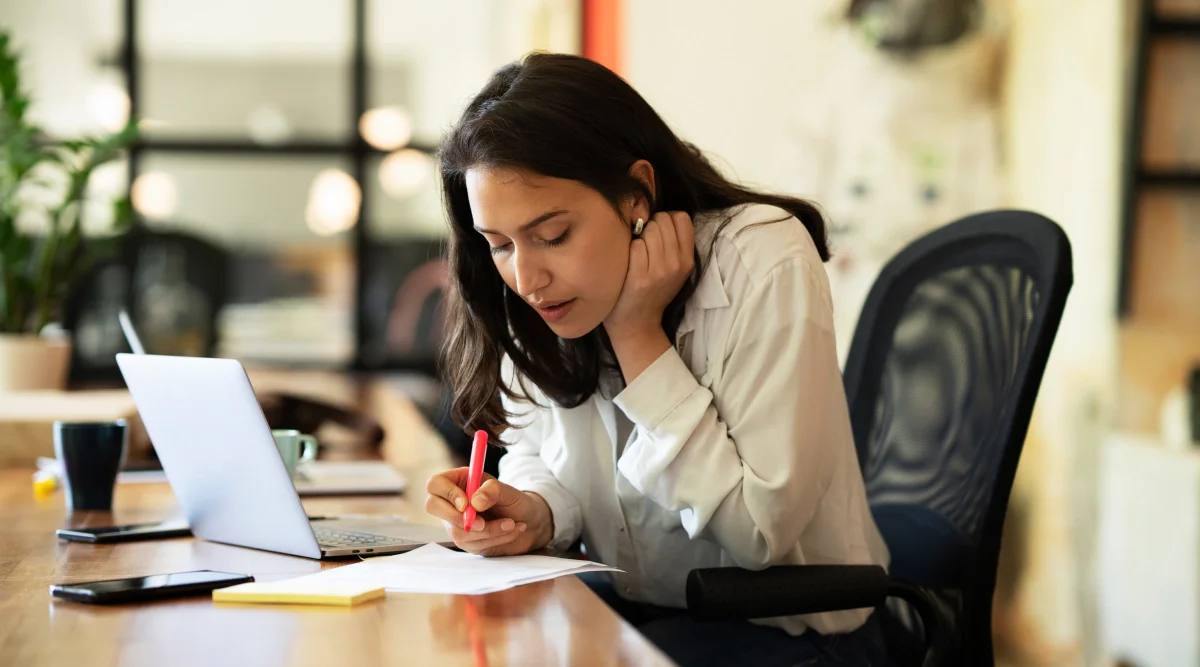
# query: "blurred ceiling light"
155, 195
268, 124
402, 172
333, 203
386, 128
108, 105
108, 181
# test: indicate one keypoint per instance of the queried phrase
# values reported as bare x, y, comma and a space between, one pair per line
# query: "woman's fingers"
493, 536
490, 529
492, 495
440, 508
639, 258
685, 234
652, 237
670, 243
481, 540
499, 548
450, 485
447, 500
502, 547
669, 259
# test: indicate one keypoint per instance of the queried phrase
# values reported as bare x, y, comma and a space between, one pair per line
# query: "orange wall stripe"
602, 34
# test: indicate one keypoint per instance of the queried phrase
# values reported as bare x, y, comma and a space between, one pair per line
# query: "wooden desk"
554, 622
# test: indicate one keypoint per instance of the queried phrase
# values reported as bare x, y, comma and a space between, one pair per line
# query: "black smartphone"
153, 587
127, 533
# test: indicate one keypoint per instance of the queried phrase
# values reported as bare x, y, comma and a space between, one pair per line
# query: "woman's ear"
640, 206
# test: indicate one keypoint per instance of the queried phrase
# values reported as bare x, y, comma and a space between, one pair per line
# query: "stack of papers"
429, 569
338, 478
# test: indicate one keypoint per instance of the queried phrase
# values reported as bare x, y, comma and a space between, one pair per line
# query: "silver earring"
638, 227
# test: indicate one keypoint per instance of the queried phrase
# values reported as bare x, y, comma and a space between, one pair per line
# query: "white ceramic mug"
294, 447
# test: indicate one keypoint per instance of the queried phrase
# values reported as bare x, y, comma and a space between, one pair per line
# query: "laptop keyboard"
328, 537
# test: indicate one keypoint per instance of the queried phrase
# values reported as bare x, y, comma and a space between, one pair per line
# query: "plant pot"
32, 362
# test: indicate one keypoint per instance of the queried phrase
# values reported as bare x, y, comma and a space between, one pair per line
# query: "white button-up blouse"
739, 449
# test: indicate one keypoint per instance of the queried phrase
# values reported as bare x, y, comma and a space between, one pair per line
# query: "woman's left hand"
660, 262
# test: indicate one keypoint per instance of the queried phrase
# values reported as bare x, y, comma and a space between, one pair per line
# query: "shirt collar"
709, 294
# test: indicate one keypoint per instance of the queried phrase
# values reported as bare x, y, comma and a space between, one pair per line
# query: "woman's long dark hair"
565, 117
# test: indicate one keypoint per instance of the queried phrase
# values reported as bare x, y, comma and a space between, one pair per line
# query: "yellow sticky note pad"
302, 590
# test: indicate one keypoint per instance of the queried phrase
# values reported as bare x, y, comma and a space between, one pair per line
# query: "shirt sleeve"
523, 467
747, 463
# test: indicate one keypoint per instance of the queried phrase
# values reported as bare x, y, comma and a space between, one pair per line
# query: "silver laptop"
220, 458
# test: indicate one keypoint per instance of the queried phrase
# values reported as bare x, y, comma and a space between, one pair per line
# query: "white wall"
732, 78
1065, 114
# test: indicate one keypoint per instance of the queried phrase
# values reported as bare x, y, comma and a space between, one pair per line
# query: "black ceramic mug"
91, 455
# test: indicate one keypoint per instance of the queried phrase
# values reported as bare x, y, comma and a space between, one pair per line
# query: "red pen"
474, 476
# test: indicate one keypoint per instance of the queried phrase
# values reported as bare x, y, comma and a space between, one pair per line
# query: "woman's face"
557, 243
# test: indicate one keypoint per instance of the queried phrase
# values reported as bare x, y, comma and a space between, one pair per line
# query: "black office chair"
941, 379
172, 283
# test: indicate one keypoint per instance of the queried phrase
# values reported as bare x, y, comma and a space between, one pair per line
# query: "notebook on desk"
344, 478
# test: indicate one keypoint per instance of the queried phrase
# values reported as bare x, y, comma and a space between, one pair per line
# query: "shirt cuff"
659, 389
564, 511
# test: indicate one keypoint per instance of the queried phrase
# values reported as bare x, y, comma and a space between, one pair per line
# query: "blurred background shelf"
1176, 26
1183, 178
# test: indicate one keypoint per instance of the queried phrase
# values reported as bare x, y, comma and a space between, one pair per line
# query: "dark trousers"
731, 643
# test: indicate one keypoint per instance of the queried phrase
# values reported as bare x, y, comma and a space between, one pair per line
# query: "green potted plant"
43, 187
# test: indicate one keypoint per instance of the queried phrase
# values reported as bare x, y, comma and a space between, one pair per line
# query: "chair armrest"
723, 593
785, 590
933, 619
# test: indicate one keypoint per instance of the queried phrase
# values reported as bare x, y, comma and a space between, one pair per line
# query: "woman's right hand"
509, 521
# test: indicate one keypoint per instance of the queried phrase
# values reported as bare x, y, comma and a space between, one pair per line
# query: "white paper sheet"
436, 569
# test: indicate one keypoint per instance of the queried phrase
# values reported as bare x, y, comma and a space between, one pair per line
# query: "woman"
654, 345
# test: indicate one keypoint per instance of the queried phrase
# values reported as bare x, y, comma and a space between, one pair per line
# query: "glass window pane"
429, 58
1172, 126
426, 60
290, 295
1166, 258
406, 275
269, 71
403, 302
68, 54
404, 196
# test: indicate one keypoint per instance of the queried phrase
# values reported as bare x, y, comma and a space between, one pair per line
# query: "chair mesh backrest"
941, 378
947, 390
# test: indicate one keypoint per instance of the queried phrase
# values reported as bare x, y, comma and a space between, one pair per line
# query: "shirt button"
622, 529
629, 590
